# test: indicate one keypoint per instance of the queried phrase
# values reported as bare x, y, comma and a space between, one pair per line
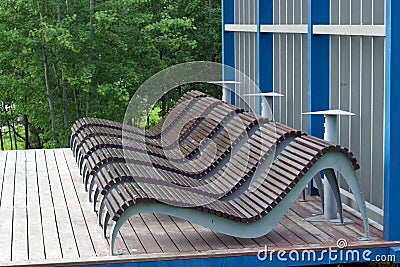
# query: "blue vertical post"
391, 215
228, 42
318, 68
265, 15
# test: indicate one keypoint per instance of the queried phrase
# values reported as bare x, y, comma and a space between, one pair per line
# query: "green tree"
61, 60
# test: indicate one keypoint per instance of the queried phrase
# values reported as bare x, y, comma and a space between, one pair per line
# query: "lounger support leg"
96, 194
105, 224
318, 182
331, 177
91, 186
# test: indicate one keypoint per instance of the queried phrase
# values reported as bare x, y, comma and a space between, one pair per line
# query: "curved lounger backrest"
258, 209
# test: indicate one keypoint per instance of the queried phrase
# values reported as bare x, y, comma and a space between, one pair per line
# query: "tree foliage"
63, 60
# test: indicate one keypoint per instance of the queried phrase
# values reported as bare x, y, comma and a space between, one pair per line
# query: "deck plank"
349, 229
3, 160
35, 231
20, 227
131, 240
209, 237
6, 208
88, 234
308, 228
145, 236
333, 230
159, 233
67, 238
50, 231
179, 239
192, 236
303, 234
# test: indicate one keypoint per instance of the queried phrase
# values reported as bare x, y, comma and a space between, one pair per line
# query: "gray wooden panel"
377, 138
290, 65
246, 55
304, 82
356, 84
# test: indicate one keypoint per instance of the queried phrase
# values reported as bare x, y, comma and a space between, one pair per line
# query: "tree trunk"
13, 128
180, 90
77, 106
26, 125
88, 101
25, 118
64, 82
48, 89
1, 137
15, 135
64, 105
26, 131
212, 56
91, 57
9, 135
58, 11
49, 94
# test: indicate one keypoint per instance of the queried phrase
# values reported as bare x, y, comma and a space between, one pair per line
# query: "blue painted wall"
318, 70
228, 42
392, 123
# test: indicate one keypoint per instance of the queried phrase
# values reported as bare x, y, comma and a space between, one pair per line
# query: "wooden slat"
67, 238
192, 236
6, 209
35, 231
175, 233
3, 159
159, 233
145, 236
50, 231
89, 236
20, 224
128, 242
70, 213
209, 237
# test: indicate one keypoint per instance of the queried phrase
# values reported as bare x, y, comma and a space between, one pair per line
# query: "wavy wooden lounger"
217, 143
253, 213
154, 132
181, 120
188, 143
238, 187
99, 127
217, 181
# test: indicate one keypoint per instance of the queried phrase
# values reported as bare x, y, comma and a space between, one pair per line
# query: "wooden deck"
46, 218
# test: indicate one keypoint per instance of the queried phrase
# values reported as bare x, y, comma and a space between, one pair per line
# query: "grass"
6, 139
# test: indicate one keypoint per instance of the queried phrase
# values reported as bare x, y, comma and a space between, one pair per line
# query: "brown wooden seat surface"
153, 132
269, 189
185, 146
183, 122
226, 180
233, 130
